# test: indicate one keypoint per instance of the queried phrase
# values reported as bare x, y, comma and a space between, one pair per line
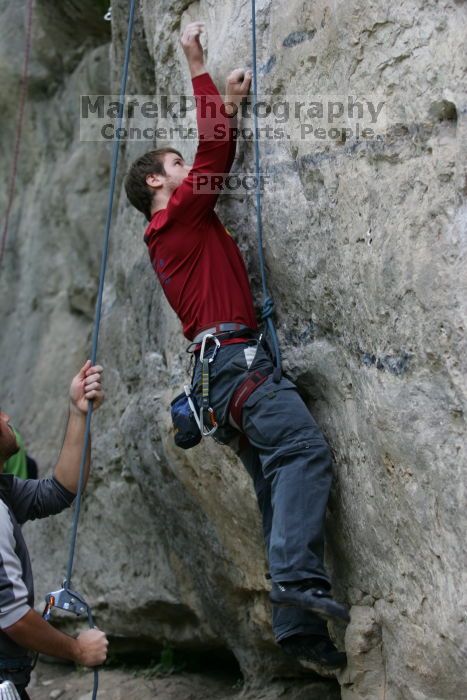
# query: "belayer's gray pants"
289, 461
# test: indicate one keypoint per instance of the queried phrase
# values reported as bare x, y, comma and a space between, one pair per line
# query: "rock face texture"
365, 247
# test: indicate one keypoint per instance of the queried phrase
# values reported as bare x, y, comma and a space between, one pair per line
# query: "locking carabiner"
203, 347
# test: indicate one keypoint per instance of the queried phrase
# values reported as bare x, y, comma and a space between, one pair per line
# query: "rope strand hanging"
66, 598
103, 268
268, 303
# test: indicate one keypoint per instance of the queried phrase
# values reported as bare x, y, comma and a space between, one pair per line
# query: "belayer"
259, 415
22, 630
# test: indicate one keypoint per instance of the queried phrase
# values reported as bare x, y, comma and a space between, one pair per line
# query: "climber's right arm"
193, 49
198, 193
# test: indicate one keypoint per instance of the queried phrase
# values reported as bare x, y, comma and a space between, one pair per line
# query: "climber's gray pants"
290, 464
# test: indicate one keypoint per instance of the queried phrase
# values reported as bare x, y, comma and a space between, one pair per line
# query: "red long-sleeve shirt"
198, 263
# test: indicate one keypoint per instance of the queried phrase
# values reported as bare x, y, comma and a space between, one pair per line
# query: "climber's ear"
155, 180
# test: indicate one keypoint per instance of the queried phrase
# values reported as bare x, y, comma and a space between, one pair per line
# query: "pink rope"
19, 127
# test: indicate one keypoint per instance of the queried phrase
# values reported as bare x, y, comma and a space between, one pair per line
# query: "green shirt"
17, 465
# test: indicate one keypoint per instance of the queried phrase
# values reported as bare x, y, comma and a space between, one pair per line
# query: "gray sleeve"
38, 498
13, 591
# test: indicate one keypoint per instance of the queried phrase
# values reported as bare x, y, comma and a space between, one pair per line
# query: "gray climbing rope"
66, 598
268, 302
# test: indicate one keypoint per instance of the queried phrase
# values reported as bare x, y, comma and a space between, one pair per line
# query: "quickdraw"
207, 413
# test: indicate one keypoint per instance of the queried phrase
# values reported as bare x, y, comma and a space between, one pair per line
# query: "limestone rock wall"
365, 247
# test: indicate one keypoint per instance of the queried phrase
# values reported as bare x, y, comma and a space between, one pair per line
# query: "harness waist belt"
219, 328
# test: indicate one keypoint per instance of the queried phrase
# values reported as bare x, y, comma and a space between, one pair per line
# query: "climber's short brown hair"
138, 191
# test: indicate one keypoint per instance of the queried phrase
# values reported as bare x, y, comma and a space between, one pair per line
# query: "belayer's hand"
87, 386
92, 648
192, 47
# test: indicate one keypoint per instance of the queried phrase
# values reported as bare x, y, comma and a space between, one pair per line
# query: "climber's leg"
296, 460
286, 621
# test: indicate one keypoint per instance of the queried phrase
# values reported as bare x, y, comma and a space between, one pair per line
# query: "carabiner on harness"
203, 347
206, 410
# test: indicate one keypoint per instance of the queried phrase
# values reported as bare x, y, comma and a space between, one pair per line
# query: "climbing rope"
65, 598
267, 312
105, 253
19, 126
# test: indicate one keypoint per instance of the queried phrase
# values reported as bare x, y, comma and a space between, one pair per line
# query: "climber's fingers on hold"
236, 76
191, 32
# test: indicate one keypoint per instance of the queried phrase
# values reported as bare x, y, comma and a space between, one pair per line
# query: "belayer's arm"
34, 633
40, 498
85, 387
17, 619
22, 624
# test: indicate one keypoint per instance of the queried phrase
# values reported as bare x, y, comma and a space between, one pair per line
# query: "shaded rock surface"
365, 246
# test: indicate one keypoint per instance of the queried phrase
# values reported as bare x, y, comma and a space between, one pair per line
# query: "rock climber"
22, 630
204, 278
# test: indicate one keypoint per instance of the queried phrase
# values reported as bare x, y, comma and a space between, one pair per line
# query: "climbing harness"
16, 668
252, 382
65, 598
220, 329
268, 303
189, 421
19, 127
12, 667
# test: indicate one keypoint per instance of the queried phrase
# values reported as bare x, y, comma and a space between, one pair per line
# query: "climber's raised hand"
236, 89
192, 47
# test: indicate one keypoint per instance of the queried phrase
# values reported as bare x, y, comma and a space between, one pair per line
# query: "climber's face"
176, 171
8, 444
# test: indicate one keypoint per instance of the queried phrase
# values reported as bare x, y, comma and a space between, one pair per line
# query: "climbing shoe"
315, 648
311, 595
